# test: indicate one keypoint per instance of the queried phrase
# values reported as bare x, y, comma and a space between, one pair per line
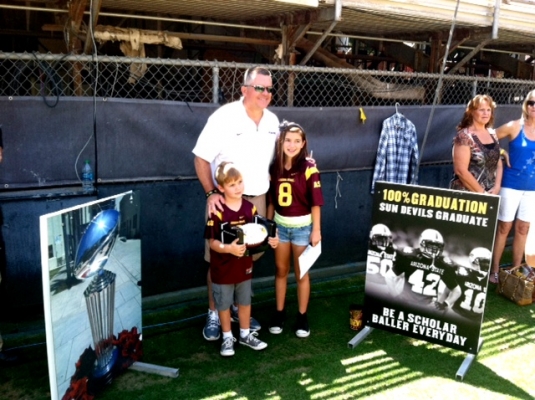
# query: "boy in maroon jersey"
230, 270
295, 201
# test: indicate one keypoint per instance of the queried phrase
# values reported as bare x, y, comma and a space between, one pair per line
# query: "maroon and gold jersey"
297, 190
225, 268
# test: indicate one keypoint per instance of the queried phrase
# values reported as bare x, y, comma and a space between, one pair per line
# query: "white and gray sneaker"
212, 328
253, 342
227, 347
254, 325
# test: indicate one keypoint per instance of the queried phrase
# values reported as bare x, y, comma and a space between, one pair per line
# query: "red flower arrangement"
78, 389
129, 348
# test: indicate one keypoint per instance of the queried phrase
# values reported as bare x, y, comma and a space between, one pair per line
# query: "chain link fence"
55, 76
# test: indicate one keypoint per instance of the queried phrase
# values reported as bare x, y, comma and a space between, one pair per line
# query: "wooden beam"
200, 36
299, 34
285, 44
52, 28
76, 14
436, 43
95, 10
369, 84
318, 43
221, 38
303, 17
407, 55
136, 37
455, 45
519, 69
469, 56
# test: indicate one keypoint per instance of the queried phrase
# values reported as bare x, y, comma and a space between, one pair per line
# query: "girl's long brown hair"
284, 128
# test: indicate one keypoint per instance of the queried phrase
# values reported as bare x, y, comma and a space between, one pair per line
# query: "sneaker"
277, 322
227, 347
301, 327
212, 328
254, 325
253, 342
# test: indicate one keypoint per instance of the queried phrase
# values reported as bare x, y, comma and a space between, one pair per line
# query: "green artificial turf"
322, 366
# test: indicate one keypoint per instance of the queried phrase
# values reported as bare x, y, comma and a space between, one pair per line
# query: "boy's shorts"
226, 294
298, 236
517, 203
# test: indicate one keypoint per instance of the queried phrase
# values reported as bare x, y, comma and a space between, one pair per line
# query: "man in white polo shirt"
242, 132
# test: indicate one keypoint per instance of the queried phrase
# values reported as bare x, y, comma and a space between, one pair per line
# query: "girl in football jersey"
295, 200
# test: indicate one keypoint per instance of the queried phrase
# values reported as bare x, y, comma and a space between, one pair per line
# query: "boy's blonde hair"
226, 172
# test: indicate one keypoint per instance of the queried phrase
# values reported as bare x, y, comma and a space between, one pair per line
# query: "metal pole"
496, 20
215, 85
439, 88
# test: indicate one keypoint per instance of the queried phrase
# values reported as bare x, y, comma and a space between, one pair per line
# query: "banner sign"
428, 263
91, 268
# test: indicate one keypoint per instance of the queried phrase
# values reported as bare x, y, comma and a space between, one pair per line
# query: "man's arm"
204, 172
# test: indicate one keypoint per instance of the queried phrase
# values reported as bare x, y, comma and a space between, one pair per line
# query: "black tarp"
142, 140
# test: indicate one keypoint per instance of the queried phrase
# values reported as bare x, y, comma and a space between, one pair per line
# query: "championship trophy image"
91, 257
254, 234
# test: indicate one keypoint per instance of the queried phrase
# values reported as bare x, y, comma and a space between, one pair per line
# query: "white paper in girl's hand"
308, 258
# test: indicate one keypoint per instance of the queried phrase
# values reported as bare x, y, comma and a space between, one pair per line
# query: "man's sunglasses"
530, 103
260, 88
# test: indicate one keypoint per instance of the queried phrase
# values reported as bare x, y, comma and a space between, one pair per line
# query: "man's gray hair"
251, 74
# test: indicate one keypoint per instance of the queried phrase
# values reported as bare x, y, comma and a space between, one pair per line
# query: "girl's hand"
274, 241
315, 238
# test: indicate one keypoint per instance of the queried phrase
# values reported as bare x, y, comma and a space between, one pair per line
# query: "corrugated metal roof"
227, 10
398, 19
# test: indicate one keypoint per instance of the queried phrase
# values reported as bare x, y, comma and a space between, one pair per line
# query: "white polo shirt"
230, 135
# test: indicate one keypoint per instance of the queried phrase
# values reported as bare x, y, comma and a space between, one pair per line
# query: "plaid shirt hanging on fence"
397, 153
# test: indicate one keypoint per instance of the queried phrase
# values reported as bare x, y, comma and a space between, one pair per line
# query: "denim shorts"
298, 236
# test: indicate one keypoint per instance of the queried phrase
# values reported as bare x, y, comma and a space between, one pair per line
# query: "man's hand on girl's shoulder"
215, 203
